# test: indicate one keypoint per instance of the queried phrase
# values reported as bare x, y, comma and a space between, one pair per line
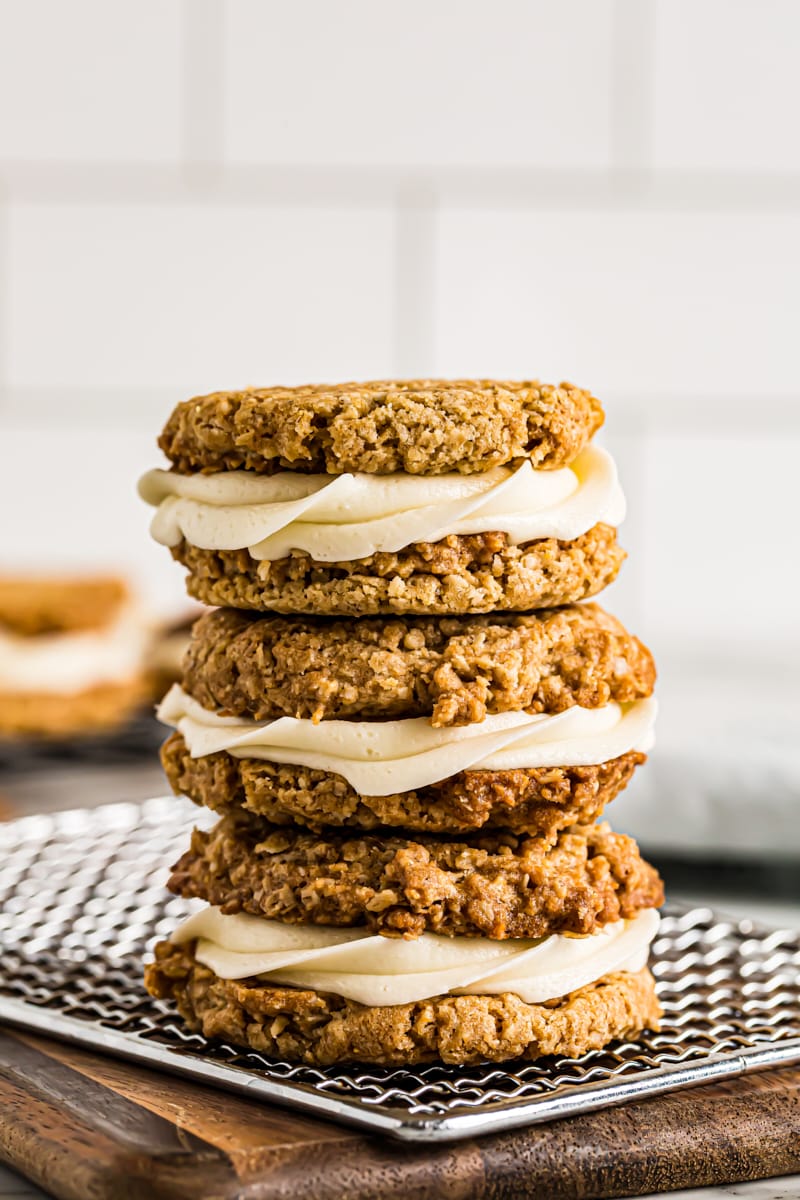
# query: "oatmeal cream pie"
439, 725
325, 996
71, 655
407, 497
508, 948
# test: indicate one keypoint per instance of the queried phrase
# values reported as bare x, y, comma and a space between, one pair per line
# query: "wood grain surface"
87, 1127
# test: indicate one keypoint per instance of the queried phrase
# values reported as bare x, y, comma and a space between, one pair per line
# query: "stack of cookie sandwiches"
72, 651
408, 722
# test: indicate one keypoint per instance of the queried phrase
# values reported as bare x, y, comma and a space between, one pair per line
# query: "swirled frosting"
380, 758
337, 518
376, 970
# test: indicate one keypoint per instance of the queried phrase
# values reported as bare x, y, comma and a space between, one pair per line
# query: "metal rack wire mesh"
139, 736
82, 901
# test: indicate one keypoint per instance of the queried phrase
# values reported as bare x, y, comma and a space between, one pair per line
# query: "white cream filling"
380, 758
376, 970
345, 517
70, 662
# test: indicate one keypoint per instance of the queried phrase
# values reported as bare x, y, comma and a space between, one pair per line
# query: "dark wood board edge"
86, 1127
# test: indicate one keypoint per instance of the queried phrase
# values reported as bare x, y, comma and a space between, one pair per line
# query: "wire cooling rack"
82, 901
140, 736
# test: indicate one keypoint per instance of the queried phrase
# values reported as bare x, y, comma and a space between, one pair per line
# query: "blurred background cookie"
72, 655
169, 642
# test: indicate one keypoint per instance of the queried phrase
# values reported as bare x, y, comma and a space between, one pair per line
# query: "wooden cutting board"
85, 1126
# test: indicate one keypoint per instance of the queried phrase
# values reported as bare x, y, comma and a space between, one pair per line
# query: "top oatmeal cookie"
420, 427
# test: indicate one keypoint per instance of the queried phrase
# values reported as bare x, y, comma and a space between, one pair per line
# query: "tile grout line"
632, 65
116, 408
414, 285
203, 177
638, 429
202, 96
414, 352
641, 523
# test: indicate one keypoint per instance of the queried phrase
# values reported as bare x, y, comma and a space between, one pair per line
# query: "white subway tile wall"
727, 88
68, 498
636, 303
90, 82
192, 296
206, 193
525, 83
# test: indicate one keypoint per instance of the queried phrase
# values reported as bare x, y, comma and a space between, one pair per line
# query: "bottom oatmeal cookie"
539, 801
471, 573
321, 1029
99, 709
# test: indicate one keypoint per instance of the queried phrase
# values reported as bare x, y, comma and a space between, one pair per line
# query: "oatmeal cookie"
497, 885
420, 427
320, 1029
455, 670
31, 605
54, 715
462, 573
536, 801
